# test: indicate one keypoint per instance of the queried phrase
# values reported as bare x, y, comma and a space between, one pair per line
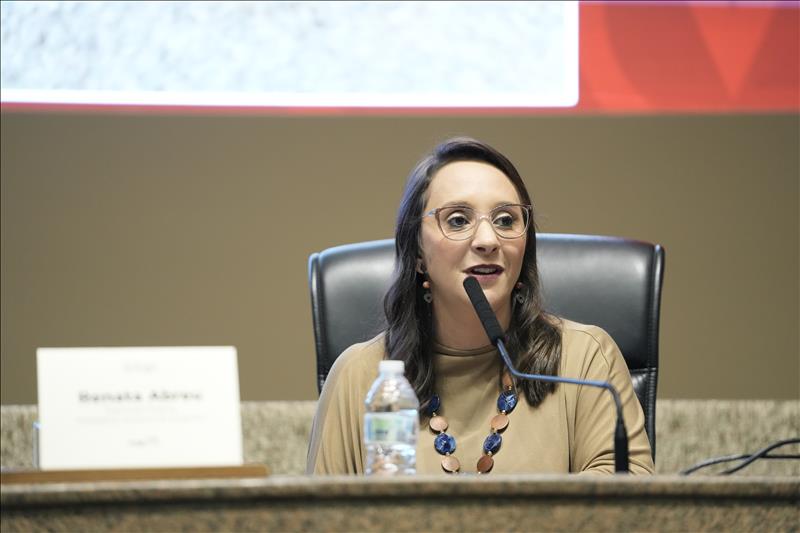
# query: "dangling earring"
518, 296
427, 296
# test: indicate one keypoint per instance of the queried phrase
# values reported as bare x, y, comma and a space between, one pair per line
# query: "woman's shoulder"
576, 331
359, 361
581, 341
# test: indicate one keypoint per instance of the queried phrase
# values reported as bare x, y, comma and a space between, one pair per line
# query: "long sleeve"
594, 409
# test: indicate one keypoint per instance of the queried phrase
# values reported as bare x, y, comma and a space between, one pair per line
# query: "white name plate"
138, 407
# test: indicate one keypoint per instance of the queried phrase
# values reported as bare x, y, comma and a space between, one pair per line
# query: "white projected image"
291, 53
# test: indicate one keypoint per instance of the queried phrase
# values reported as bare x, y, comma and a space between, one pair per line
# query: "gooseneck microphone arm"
495, 333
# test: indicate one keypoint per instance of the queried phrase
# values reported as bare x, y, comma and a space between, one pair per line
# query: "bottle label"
393, 427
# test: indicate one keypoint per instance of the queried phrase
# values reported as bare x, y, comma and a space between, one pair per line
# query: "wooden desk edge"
13, 477
304, 488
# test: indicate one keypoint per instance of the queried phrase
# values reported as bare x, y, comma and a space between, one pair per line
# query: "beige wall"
151, 230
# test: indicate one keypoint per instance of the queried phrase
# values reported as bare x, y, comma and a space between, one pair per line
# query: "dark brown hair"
533, 338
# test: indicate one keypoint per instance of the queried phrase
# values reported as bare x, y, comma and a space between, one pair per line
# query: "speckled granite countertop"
420, 503
689, 431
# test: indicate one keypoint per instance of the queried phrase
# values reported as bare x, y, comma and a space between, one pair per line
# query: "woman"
466, 212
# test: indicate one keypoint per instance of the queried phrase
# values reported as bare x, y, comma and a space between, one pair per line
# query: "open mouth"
485, 270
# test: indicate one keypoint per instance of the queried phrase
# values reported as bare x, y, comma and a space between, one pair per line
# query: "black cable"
728, 458
760, 454
748, 458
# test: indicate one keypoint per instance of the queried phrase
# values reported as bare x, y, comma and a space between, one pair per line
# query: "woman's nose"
485, 239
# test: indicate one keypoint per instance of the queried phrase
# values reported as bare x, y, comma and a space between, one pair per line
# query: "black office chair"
610, 282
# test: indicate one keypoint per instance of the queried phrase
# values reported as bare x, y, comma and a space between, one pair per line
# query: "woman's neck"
462, 329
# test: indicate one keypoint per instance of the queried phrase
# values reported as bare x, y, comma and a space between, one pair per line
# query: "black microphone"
495, 333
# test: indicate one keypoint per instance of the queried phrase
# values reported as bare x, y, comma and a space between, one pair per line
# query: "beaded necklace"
445, 444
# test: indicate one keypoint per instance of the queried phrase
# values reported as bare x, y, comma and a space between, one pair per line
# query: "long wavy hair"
533, 337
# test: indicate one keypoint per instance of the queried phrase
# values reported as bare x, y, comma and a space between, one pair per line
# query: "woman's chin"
499, 299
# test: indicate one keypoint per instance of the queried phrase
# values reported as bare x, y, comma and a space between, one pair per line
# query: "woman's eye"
504, 220
457, 221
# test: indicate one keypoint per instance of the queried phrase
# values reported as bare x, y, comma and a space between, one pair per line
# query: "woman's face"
448, 262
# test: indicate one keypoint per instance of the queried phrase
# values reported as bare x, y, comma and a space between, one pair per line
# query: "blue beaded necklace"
445, 444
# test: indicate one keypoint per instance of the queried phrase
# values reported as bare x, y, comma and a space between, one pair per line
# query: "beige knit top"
570, 431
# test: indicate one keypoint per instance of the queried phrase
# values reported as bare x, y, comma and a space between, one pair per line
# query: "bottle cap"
392, 367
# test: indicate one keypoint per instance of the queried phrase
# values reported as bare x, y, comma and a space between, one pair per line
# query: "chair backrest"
610, 282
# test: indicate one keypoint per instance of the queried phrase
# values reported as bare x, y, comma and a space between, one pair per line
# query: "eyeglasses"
460, 222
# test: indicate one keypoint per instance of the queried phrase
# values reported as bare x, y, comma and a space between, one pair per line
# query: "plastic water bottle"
391, 423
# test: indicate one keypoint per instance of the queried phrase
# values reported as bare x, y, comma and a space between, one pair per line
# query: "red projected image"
689, 56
